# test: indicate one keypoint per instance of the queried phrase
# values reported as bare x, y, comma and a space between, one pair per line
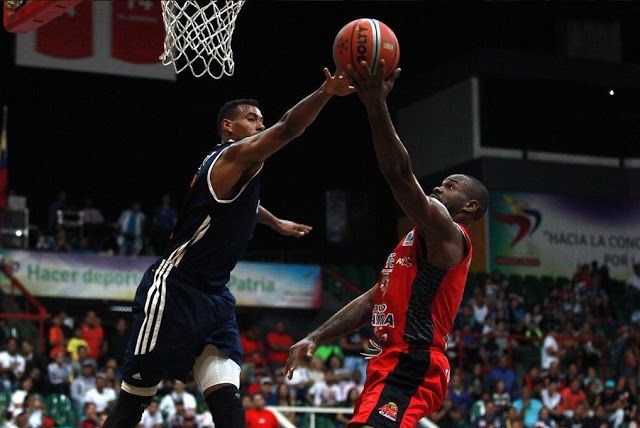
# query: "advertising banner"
80, 276
543, 234
123, 37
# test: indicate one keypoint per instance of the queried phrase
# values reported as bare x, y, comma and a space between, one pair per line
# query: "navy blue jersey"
212, 234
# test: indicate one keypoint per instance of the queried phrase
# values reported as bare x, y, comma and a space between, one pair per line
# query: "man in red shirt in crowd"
278, 343
258, 416
92, 332
252, 347
570, 397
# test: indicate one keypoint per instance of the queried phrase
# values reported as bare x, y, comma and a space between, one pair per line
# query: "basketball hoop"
199, 35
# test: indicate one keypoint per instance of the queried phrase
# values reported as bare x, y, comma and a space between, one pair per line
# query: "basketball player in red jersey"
413, 305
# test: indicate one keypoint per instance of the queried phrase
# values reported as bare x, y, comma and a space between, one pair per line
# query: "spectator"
35, 409
458, 396
570, 398
31, 358
352, 345
60, 203
490, 419
59, 374
131, 224
551, 398
83, 383
503, 373
61, 244
550, 350
83, 354
12, 365
117, 341
164, 219
286, 397
89, 417
151, 417
278, 344
480, 308
501, 398
93, 333
325, 350
76, 341
57, 339
18, 397
168, 402
91, 215
633, 282
258, 416
103, 397
545, 420
528, 408
348, 385
253, 347
351, 398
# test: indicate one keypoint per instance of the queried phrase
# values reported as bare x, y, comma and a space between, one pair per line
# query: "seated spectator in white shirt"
168, 402
151, 418
12, 364
101, 396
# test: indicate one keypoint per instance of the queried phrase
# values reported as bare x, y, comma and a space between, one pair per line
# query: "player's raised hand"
303, 349
290, 228
372, 87
337, 84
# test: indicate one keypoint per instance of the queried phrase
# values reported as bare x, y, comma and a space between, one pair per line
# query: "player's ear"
472, 206
227, 126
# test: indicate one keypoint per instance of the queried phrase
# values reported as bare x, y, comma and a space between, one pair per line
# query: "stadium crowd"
567, 359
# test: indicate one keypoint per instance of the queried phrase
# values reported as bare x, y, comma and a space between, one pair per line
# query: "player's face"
248, 122
451, 193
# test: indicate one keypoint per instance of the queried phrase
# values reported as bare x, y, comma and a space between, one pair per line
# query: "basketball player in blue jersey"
183, 313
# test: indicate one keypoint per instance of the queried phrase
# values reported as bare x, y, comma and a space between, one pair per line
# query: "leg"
219, 379
129, 408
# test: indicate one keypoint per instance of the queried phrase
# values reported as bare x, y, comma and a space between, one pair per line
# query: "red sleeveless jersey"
416, 303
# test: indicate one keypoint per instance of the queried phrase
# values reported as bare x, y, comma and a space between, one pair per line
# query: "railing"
286, 423
33, 310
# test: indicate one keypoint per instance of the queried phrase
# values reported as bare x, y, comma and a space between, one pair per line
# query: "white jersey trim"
213, 193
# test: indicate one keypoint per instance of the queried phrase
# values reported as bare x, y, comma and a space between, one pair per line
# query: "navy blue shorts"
173, 320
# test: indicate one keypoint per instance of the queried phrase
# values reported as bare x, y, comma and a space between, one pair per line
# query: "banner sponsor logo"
554, 234
116, 278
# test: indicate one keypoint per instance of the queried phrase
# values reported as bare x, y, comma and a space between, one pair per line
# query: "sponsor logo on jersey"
384, 282
380, 318
405, 261
389, 411
408, 240
390, 261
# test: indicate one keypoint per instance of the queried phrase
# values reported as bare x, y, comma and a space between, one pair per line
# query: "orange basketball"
368, 40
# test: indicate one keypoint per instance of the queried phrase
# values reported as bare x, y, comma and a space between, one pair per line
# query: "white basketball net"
199, 35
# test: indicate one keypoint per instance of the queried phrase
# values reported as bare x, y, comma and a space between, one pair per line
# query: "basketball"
369, 40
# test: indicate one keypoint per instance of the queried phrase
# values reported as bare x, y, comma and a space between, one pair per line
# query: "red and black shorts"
402, 387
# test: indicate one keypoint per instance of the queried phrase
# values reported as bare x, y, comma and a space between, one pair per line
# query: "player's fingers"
327, 73
366, 67
353, 76
395, 75
311, 349
380, 68
305, 227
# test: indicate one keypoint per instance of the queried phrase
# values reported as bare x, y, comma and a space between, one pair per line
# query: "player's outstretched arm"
259, 147
283, 227
429, 214
354, 315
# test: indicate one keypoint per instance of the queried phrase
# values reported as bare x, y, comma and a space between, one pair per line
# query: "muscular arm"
354, 315
241, 160
444, 241
283, 227
347, 319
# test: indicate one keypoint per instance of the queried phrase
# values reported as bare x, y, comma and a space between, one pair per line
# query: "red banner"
70, 35
137, 31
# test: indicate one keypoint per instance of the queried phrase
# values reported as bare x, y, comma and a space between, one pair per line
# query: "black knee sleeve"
128, 411
226, 407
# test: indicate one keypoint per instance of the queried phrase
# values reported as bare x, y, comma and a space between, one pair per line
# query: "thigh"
212, 368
